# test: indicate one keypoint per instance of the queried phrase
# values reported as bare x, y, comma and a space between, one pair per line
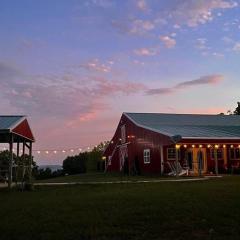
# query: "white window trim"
146, 157
109, 160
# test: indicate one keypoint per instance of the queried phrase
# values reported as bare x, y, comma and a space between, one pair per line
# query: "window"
123, 134
189, 159
146, 156
171, 153
234, 153
237, 153
219, 154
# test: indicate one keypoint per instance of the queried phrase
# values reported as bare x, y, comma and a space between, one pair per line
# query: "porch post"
10, 162
200, 159
216, 159
23, 161
18, 149
177, 169
30, 162
162, 160
225, 158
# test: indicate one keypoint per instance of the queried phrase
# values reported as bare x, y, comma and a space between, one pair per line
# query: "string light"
57, 151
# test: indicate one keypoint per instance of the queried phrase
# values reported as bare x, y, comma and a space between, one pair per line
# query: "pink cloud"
205, 80
210, 79
146, 51
96, 65
193, 13
168, 41
142, 5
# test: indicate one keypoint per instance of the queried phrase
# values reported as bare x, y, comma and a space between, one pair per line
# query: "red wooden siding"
138, 139
23, 129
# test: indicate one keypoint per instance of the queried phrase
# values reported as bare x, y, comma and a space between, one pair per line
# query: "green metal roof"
189, 125
7, 122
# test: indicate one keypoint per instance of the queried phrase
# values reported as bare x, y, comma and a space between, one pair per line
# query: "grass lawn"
99, 177
168, 210
103, 177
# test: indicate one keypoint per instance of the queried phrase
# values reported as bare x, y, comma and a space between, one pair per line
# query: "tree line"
88, 161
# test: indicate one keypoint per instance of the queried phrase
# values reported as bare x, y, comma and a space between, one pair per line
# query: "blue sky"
74, 66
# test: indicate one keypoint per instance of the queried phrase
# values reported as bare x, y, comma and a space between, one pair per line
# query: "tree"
75, 164
86, 161
237, 110
4, 163
94, 161
19, 165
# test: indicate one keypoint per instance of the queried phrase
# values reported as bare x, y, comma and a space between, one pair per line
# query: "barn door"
123, 155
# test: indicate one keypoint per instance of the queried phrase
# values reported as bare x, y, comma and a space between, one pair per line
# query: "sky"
73, 66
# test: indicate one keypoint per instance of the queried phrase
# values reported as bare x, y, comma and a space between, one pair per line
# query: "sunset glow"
74, 66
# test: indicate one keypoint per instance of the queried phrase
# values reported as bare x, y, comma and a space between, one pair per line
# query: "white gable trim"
148, 128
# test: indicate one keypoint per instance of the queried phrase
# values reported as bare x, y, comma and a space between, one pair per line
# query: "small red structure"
174, 144
15, 129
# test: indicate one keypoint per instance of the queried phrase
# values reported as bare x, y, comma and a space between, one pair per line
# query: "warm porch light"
232, 146
38, 152
55, 152
177, 146
185, 146
46, 152
193, 146
200, 146
224, 145
216, 146
209, 146
103, 158
239, 146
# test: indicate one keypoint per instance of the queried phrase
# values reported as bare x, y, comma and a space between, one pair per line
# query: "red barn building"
174, 144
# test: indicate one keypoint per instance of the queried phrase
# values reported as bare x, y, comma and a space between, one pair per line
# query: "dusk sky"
74, 66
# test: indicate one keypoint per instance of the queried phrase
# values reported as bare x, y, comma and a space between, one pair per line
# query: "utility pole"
10, 166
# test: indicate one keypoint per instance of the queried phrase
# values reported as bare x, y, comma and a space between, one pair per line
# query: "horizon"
74, 67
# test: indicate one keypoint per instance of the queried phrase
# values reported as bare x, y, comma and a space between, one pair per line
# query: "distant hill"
52, 167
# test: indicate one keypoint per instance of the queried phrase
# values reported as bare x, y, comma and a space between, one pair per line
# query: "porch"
202, 159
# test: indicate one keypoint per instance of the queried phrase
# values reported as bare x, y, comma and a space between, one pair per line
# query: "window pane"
171, 153
237, 152
219, 154
232, 153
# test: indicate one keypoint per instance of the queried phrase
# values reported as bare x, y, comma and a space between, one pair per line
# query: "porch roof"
16, 125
